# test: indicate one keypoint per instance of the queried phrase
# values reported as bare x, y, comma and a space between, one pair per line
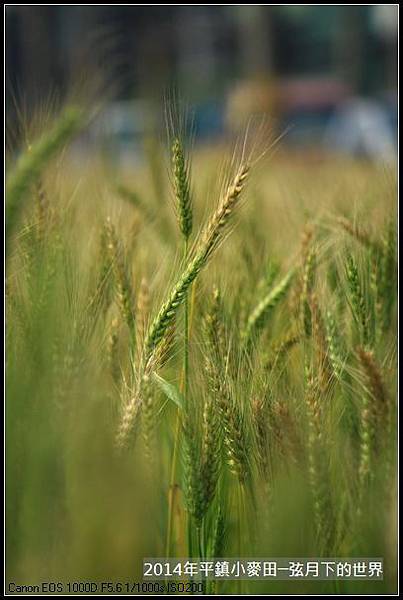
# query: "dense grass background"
314, 466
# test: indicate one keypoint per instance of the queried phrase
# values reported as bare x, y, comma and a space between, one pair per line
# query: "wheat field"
200, 361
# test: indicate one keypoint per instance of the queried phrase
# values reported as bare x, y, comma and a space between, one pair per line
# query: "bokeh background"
325, 74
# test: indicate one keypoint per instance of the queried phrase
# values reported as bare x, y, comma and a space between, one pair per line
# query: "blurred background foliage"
308, 67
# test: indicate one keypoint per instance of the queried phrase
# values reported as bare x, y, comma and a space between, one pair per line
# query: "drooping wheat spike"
307, 286
181, 183
357, 232
130, 416
131, 411
129, 419
143, 400
208, 242
163, 351
219, 219
357, 301
31, 163
147, 392
260, 313
124, 290
375, 420
334, 345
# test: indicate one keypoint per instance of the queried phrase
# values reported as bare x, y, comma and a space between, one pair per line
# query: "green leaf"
170, 390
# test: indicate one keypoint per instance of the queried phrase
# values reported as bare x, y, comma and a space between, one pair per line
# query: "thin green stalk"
186, 379
184, 385
171, 487
186, 335
200, 541
189, 536
239, 509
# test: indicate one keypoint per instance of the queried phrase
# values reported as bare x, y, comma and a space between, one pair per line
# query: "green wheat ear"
358, 304
31, 163
181, 183
258, 317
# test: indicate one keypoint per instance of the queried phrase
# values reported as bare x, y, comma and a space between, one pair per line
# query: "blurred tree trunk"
36, 52
256, 40
349, 46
